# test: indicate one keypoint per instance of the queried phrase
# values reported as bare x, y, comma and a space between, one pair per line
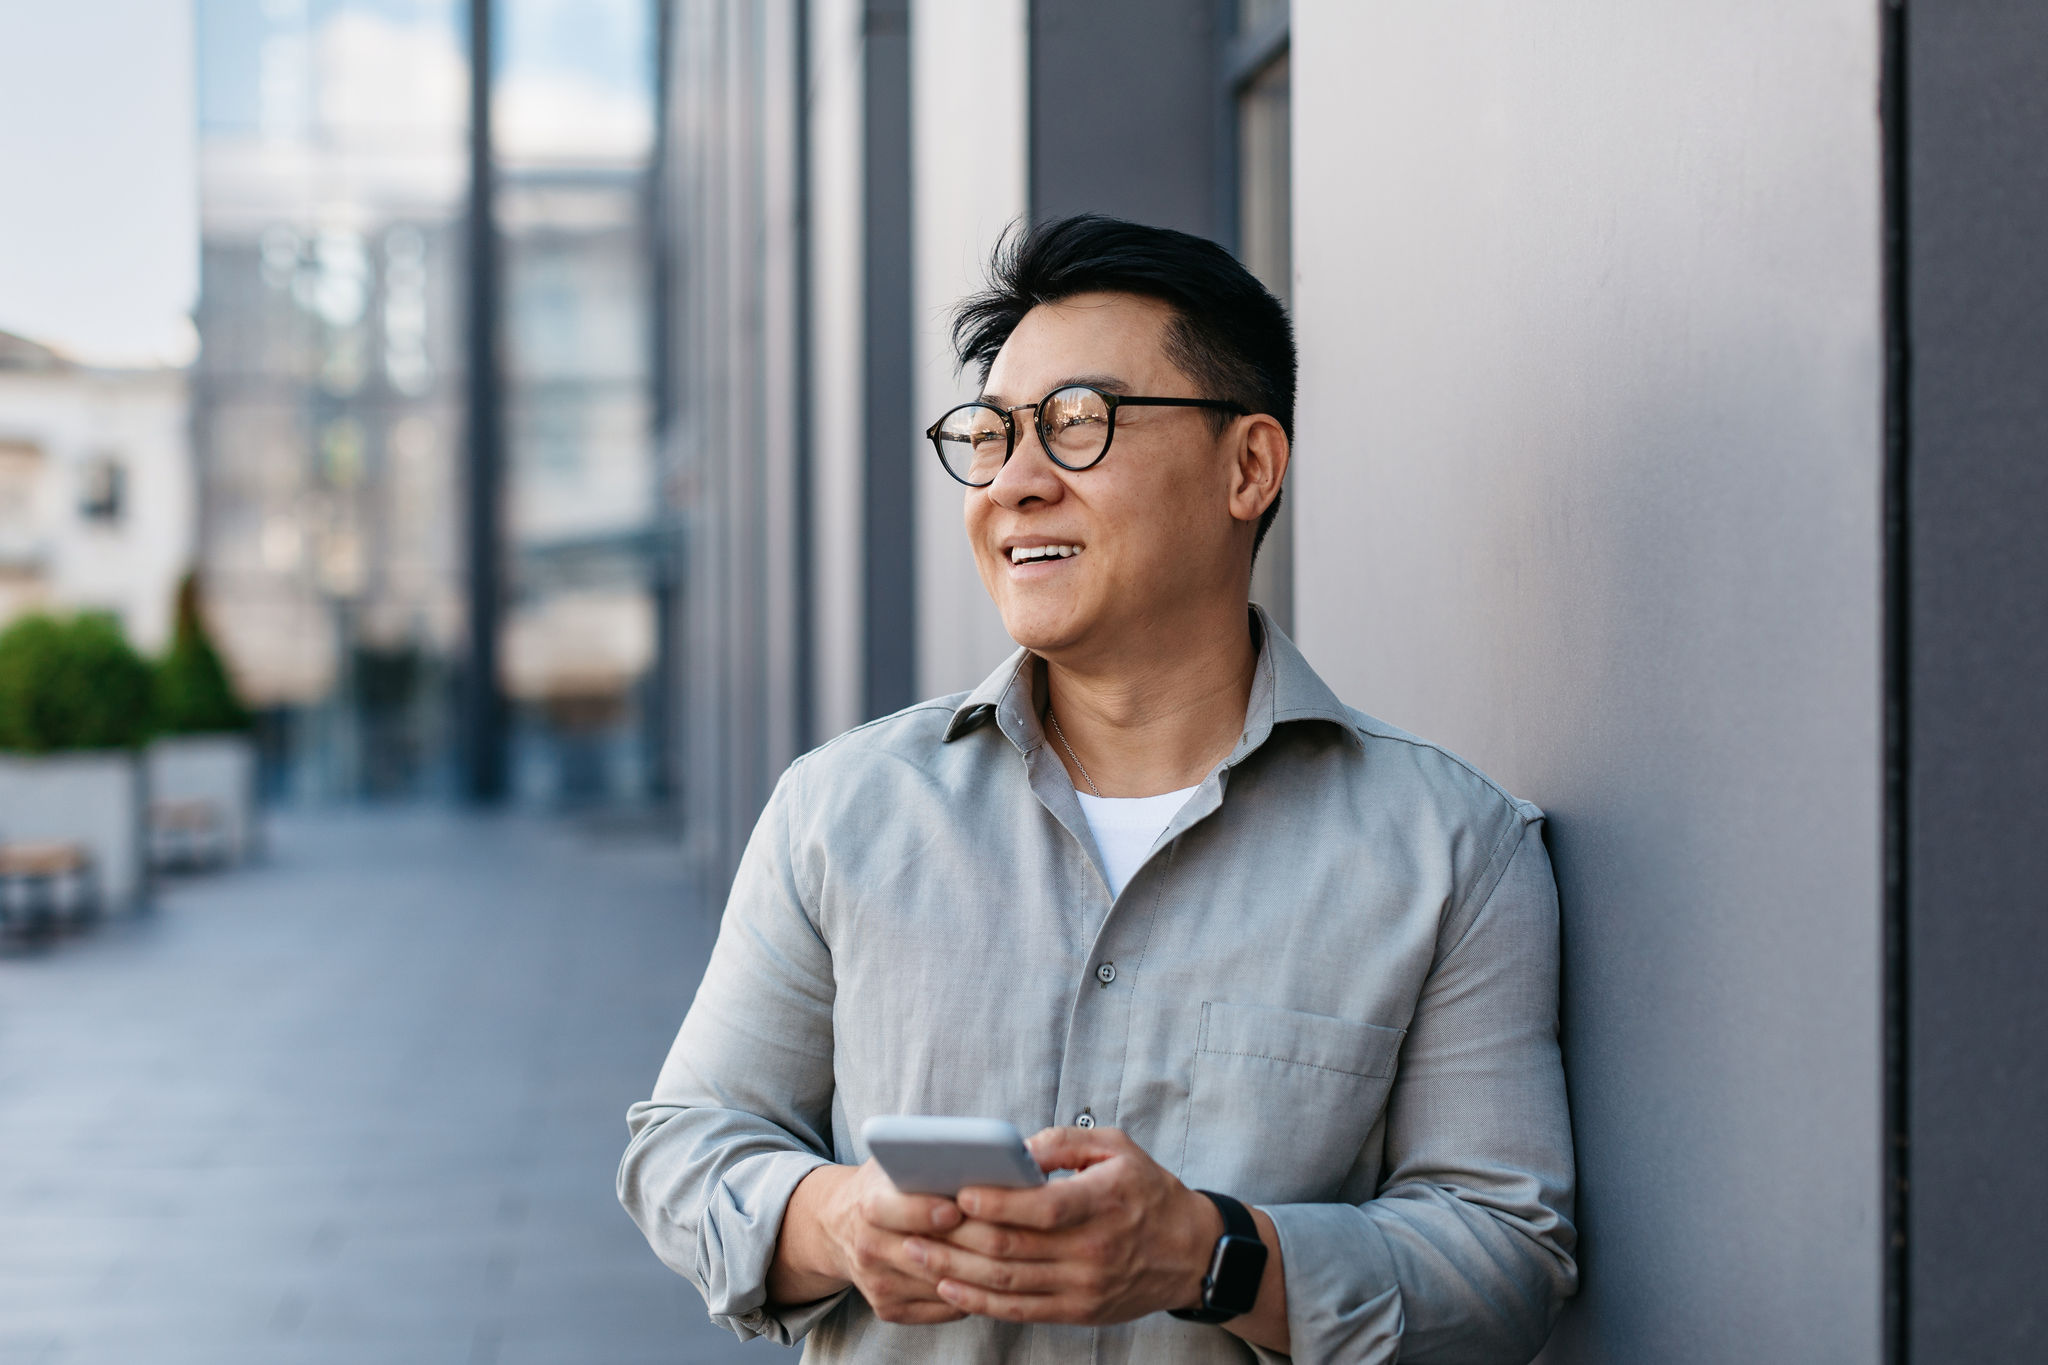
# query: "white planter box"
94, 798
217, 771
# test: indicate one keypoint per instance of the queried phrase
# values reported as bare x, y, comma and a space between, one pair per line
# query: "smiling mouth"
1033, 554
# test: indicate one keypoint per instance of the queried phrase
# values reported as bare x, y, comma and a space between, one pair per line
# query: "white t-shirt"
1126, 827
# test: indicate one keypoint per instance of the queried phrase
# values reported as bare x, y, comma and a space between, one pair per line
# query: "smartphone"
926, 1155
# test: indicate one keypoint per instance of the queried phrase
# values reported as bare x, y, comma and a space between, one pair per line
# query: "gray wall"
1589, 475
1976, 641
785, 212
730, 450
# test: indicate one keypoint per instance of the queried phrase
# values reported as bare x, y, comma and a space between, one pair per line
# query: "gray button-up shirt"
1333, 995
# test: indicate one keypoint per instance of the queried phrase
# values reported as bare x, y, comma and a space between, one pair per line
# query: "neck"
1150, 721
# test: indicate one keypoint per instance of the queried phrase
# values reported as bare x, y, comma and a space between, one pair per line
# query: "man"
1256, 964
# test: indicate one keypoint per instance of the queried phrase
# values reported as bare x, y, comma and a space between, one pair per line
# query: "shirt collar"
1005, 695
1284, 688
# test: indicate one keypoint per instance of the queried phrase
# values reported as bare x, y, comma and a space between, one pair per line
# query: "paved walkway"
360, 1103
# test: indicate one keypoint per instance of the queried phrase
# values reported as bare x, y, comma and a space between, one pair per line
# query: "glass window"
1265, 244
1264, 194
1253, 15
102, 482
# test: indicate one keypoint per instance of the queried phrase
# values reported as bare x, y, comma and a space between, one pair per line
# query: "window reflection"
1265, 222
330, 393
1265, 237
1256, 14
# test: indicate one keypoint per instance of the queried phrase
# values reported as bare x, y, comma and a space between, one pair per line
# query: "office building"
96, 496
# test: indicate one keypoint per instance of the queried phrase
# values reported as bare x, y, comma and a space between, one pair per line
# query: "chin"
1040, 627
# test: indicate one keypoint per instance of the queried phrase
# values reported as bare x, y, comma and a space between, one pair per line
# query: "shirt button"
1106, 973
1084, 1119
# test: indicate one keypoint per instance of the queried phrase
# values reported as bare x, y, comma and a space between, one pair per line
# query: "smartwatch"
1231, 1287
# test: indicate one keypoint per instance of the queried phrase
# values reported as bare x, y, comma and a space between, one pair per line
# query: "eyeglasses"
1075, 423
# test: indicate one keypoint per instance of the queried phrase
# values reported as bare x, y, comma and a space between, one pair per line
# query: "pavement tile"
361, 1102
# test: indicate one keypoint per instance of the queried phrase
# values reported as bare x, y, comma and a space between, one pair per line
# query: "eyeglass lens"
974, 440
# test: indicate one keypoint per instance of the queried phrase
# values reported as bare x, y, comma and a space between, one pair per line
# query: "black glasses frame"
1112, 401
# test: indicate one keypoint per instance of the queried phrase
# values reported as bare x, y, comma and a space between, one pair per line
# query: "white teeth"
1025, 554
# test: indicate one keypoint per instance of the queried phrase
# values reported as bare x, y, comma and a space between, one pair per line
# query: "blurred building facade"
96, 489
1667, 443
329, 429
588, 552
331, 384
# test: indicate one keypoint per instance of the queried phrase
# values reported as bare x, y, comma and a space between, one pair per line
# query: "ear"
1260, 455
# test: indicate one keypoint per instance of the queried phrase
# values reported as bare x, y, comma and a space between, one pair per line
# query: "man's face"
1152, 522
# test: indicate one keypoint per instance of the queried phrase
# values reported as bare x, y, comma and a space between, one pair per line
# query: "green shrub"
193, 692
71, 683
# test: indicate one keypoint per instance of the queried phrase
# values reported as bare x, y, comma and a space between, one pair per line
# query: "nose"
1029, 475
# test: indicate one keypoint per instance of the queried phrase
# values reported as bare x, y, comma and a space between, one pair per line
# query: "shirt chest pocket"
1281, 1102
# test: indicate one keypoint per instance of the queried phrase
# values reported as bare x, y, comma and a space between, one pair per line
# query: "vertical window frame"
1245, 54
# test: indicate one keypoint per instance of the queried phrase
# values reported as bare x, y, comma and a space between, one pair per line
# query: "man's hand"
849, 1225
1118, 1241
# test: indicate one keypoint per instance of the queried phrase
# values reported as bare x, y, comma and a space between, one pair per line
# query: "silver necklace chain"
1061, 732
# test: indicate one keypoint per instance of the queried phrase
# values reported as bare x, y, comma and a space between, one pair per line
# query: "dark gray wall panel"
889, 540
1977, 847
1124, 111
1590, 463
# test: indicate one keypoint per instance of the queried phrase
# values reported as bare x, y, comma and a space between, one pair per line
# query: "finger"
943, 1261
900, 1288
885, 1206
1074, 1149
1007, 1243
882, 1262
1061, 1204
986, 1303
906, 1273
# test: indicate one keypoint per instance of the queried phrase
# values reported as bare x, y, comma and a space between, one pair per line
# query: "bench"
32, 871
190, 832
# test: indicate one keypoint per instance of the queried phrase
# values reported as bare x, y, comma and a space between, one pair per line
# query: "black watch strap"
1231, 1287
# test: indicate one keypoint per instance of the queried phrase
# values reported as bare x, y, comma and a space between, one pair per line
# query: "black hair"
1228, 334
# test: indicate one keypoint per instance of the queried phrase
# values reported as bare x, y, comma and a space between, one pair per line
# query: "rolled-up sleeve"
1466, 1251
742, 1109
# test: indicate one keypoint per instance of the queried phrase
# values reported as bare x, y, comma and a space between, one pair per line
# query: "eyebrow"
1107, 382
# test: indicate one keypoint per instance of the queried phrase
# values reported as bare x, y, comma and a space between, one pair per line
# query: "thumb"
1075, 1149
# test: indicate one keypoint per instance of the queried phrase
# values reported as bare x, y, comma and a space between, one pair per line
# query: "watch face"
1235, 1273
